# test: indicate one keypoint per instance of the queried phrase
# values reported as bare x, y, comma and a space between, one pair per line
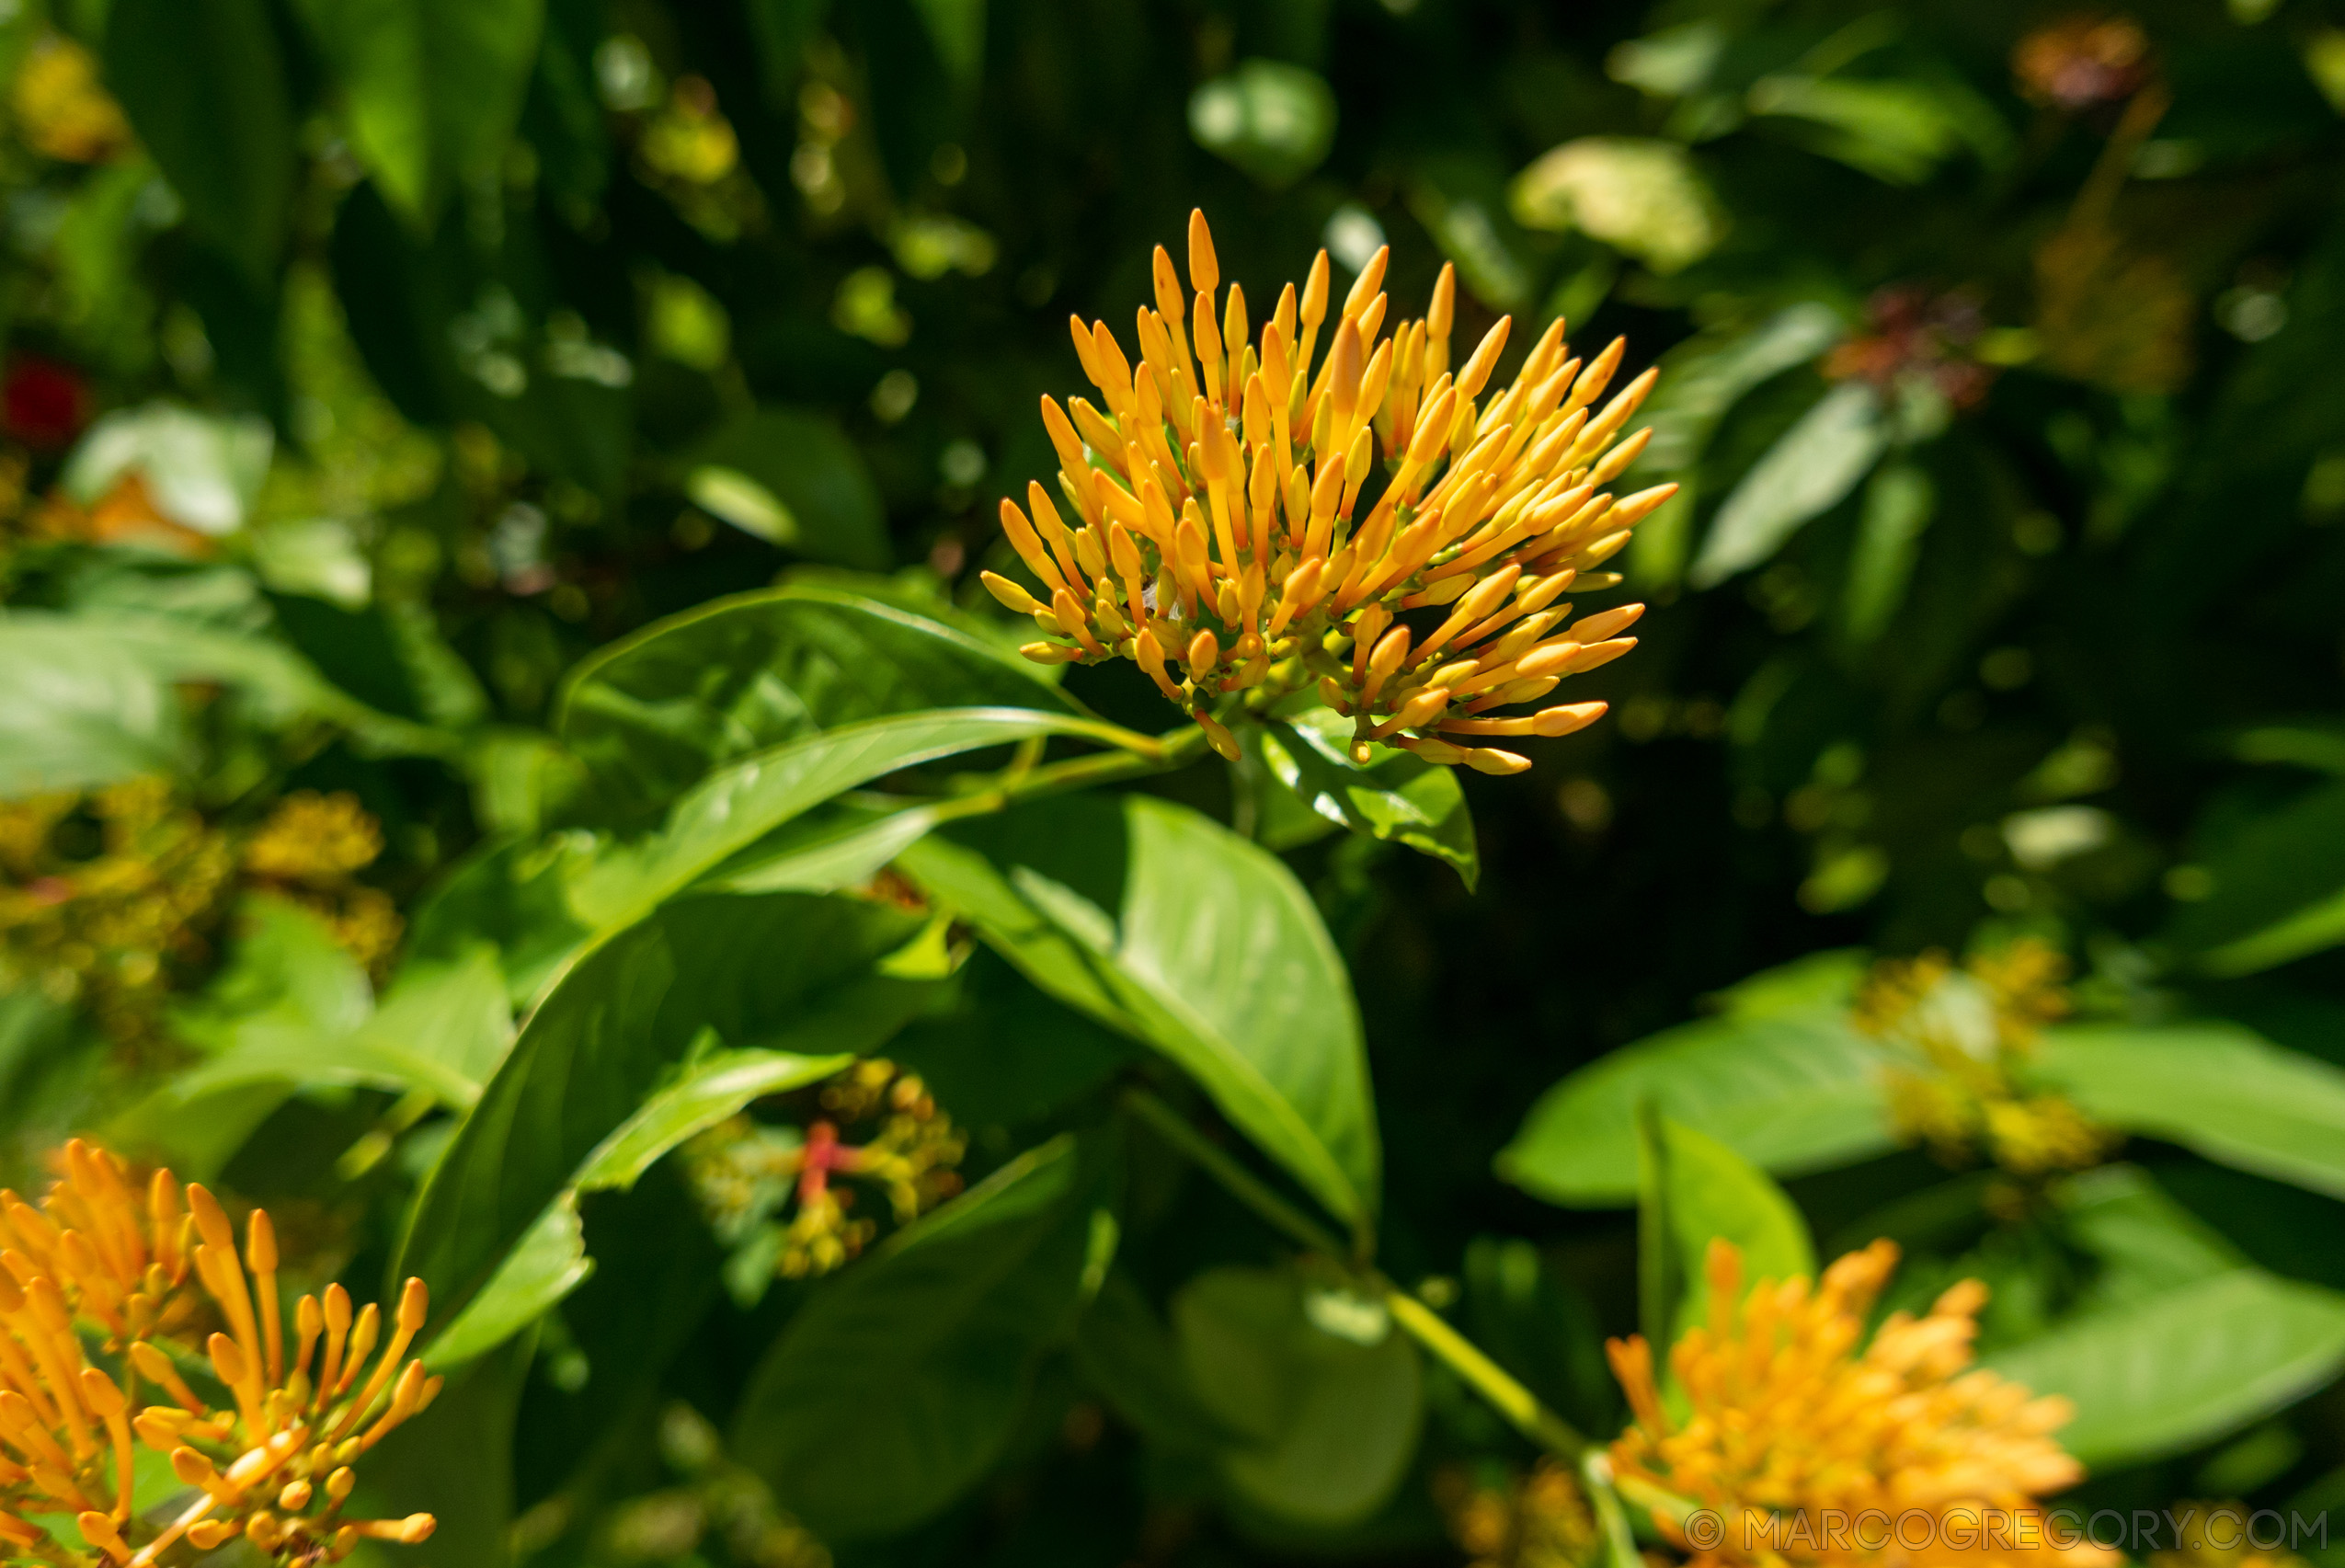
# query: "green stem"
1239, 1182
1487, 1378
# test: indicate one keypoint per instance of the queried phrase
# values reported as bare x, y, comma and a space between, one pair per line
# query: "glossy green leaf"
2168, 1373
1694, 1190
2216, 1088
740, 804
710, 1089
1791, 1088
793, 479
1396, 795
2279, 890
548, 1262
1806, 472
430, 88
896, 1387
1163, 924
204, 85
654, 713
1325, 1426
785, 973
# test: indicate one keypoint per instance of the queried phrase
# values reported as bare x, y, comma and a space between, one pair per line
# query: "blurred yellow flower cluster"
745, 1171
309, 849
1221, 543
1790, 1426
101, 896
1962, 1038
1535, 1520
62, 111
98, 1355
105, 897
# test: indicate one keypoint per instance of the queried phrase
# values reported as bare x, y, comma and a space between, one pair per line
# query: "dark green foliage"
575, 427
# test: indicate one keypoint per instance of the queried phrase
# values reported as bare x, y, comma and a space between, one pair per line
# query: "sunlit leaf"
652, 713
1164, 925
1694, 1190
2216, 1088
1807, 471
1395, 796
2167, 1374
787, 974
1781, 1080
205, 88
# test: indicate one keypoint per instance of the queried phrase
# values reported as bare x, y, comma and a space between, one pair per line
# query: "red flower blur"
44, 404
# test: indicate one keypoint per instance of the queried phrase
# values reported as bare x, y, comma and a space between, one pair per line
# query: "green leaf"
1128, 1353
792, 478
740, 804
1001, 1053
2215, 1088
82, 713
1896, 132
2168, 1373
1889, 536
1396, 796
1327, 1426
1815, 462
655, 712
204, 87
785, 973
431, 88
1163, 924
710, 1090
440, 1031
203, 472
1695, 1190
2144, 1243
548, 1262
1790, 1086
1642, 195
96, 703
1709, 374
896, 1387
2279, 890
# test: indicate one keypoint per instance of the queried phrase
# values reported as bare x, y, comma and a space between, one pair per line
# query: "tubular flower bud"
1786, 1422
1303, 486
123, 1256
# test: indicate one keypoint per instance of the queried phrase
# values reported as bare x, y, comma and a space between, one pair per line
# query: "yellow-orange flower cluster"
94, 1312
1790, 1422
1220, 540
745, 1171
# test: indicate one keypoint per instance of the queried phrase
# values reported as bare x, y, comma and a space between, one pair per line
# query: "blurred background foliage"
367, 363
